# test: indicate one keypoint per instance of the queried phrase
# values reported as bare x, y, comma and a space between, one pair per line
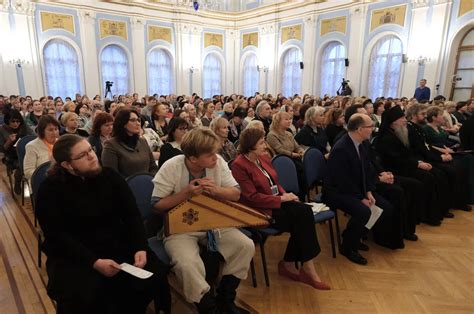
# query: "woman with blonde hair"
220, 126
312, 133
70, 121
283, 142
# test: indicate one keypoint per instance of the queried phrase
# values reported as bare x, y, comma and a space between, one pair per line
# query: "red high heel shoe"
283, 271
305, 278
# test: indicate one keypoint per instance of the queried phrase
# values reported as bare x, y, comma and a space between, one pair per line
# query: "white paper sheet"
318, 207
135, 271
375, 213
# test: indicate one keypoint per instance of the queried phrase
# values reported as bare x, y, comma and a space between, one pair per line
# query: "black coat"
307, 137
347, 174
466, 133
420, 145
395, 156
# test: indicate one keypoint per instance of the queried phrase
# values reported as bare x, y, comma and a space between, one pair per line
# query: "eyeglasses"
84, 154
183, 128
133, 120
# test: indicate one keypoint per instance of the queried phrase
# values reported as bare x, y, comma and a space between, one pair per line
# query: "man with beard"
454, 168
91, 225
393, 145
350, 186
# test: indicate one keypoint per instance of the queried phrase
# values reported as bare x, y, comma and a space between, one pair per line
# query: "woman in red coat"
260, 189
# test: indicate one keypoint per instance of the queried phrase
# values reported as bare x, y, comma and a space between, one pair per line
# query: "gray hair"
310, 113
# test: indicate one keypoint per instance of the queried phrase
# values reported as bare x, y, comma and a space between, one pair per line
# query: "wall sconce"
193, 69
262, 68
18, 62
421, 60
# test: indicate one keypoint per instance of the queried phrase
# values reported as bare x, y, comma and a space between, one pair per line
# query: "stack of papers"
318, 207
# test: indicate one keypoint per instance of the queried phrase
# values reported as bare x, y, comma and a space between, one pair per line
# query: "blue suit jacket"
347, 174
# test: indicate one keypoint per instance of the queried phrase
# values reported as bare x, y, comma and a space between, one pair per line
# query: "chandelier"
211, 5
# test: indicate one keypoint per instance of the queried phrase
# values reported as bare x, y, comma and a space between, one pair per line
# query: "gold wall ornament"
291, 32
113, 28
392, 15
50, 20
158, 32
212, 39
250, 39
337, 24
465, 6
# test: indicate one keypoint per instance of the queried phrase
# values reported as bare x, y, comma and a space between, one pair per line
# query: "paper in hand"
318, 207
375, 213
135, 271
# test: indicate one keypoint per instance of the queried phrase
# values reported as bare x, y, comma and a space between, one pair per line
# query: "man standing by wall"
423, 92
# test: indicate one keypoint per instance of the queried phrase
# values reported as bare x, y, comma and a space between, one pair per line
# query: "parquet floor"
433, 275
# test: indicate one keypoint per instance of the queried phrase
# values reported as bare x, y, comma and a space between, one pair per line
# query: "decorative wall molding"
420, 3
267, 29
23, 7
86, 17
137, 23
190, 29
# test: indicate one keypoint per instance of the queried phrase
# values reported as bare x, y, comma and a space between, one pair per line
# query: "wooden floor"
433, 275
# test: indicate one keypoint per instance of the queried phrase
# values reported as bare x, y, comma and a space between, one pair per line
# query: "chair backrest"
314, 165
286, 171
142, 186
37, 178
21, 149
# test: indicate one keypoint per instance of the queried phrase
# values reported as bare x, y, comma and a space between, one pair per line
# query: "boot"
207, 305
226, 293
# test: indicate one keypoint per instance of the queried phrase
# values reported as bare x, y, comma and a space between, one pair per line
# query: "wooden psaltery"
203, 212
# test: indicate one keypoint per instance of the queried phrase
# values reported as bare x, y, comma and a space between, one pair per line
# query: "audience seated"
282, 142
260, 189
263, 113
349, 185
32, 119
126, 152
208, 115
220, 126
201, 170
101, 132
237, 124
71, 125
10, 132
334, 122
177, 129
40, 149
88, 237
312, 133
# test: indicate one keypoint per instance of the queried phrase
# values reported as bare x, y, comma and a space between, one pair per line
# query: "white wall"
431, 28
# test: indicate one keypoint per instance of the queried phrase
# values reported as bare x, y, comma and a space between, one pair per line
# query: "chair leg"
252, 271
331, 233
264, 261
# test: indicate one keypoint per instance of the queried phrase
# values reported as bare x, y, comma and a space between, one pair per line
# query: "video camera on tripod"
108, 85
344, 89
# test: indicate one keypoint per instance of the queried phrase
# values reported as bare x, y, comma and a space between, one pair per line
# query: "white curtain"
160, 76
212, 76
114, 65
332, 68
291, 72
250, 75
384, 67
61, 67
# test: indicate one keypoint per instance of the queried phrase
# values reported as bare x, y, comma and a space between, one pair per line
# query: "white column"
8, 80
231, 68
268, 49
139, 57
307, 85
355, 52
90, 59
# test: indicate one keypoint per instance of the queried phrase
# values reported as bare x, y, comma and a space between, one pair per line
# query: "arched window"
212, 76
463, 79
114, 65
250, 75
332, 68
291, 72
384, 67
160, 75
61, 67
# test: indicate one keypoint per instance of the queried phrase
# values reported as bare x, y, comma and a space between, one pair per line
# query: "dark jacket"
96, 144
347, 173
307, 137
332, 131
266, 123
395, 156
420, 145
466, 133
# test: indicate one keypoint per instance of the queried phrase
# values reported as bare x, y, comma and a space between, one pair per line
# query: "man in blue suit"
423, 92
350, 184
